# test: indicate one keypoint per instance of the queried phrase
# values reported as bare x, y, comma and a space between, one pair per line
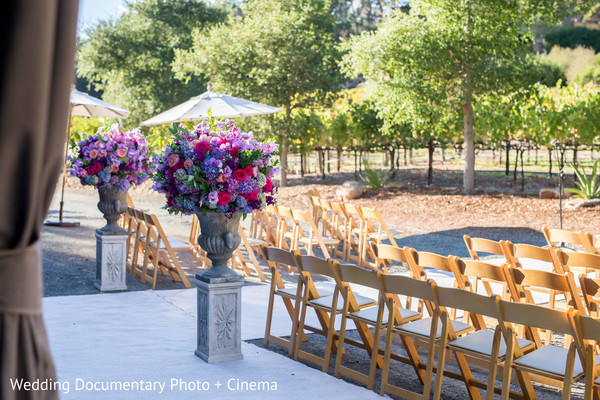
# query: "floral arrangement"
216, 167
112, 159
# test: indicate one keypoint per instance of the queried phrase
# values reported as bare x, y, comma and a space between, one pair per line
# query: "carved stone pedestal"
111, 264
219, 318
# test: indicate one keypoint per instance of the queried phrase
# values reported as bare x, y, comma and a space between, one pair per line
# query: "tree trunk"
430, 151
285, 145
302, 156
328, 161
550, 163
536, 155
518, 149
392, 151
339, 160
410, 155
405, 156
469, 174
507, 157
522, 171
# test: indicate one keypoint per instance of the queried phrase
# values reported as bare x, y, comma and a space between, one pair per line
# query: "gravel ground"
69, 260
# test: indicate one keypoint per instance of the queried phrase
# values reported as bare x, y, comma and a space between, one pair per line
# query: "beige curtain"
37, 46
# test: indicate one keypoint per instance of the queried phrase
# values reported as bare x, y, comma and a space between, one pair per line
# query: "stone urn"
112, 204
219, 238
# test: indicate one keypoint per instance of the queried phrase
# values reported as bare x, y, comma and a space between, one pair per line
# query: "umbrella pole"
60, 221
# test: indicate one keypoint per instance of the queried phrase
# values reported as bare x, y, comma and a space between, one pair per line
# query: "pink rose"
234, 152
172, 160
188, 164
193, 143
202, 147
114, 168
221, 178
239, 175
224, 198
248, 170
121, 152
268, 186
255, 171
93, 154
102, 153
253, 195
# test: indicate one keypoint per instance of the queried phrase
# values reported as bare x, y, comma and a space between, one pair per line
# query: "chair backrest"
471, 271
406, 286
374, 220
276, 255
527, 279
299, 217
570, 260
313, 265
388, 252
418, 261
475, 304
481, 245
535, 316
314, 192
591, 294
522, 252
555, 237
347, 274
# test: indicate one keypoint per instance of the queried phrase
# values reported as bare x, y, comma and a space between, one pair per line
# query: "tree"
282, 53
463, 48
130, 58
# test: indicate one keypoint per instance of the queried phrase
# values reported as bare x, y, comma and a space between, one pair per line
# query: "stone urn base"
219, 320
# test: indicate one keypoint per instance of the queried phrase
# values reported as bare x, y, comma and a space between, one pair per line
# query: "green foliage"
570, 61
374, 177
588, 187
573, 37
437, 59
130, 58
590, 74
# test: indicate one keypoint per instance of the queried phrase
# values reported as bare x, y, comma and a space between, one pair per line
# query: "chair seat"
384, 235
325, 301
289, 291
422, 327
255, 242
550, 359
481, 342
326, 240
370, 315
175, 244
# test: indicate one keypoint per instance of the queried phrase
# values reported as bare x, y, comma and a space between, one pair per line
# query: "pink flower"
248, 170
94, 169
114, 168
268, 186
121, 152
188, 164
221, 178
102, 153
253, 195
202, 147
234, 152
172, 160
193, 143
255, 171
224, 198
93, 154
239, 175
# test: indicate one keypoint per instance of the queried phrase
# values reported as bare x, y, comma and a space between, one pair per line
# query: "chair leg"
269, 314
508, 365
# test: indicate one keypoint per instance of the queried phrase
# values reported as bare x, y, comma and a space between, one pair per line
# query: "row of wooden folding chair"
147, 239
356, 227
370, 314
570, 239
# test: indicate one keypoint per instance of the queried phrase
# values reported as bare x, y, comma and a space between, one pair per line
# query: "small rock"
349, 190
548, 193
574, 204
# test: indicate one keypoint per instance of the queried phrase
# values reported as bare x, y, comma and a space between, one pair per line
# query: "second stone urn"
112, 204
219, 238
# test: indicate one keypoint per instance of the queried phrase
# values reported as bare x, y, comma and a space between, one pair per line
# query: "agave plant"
588, 187
375, 178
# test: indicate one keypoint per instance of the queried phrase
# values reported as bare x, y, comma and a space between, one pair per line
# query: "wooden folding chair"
266, 225
376, 231
290, 295
140, 244
335, 227
424, 329
523, 282
561, 237
160, 251
318, 214
588, 336
312, 238
326, 307
340, 224
546, 361
286, 229
354, 233
250, 245
375, 316
481, 245
473, 271
482, 344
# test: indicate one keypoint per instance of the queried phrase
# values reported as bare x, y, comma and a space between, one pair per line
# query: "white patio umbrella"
84, 105
220, 105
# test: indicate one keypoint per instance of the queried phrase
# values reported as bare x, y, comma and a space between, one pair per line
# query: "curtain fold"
37, 47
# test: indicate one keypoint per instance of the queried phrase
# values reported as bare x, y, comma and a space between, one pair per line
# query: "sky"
92, 11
